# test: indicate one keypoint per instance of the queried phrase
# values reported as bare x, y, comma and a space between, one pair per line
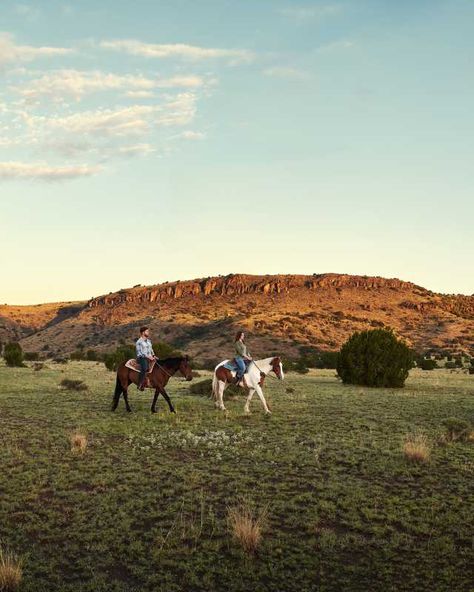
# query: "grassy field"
145, 506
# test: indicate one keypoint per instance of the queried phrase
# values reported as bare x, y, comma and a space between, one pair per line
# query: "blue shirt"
144, 348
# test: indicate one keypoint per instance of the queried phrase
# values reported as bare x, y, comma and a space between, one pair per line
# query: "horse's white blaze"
252, 379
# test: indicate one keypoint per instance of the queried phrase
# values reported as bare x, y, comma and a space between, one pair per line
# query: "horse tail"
215, 386
118, 386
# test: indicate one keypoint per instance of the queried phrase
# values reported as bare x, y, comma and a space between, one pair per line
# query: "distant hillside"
280, 313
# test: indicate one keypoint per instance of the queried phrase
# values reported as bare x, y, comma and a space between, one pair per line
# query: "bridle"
165, 371
265, 374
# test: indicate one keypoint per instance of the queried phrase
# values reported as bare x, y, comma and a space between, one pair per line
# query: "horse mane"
170, 362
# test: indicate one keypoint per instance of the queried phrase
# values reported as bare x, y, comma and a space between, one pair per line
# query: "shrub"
31, 356
457, 429
458, 362
450, 365
164, 350
204, 388
73, 385
417, 448
10, 572
374, 358
13, 354
121, 354
77, 355
60, 360
91, 355
298, 366
429, 364
206, 364
245, 526
78, 442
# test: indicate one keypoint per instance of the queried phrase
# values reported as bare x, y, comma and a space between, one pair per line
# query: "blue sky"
152, 141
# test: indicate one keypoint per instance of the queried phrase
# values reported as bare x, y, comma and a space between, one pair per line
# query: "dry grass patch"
417, 448
10, 572
79, 443
246, 526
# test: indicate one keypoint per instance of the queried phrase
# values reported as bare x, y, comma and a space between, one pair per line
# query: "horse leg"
125, 396
247, 402
155, 398
258, 388
220, 395
167, 399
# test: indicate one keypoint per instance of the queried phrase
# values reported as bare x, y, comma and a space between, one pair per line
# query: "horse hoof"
173, 411
129, 411
268, 413
153, 411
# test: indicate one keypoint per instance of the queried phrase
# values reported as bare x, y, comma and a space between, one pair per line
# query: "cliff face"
280, 313
245, 284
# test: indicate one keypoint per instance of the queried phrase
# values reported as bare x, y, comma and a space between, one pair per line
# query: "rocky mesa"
281, 313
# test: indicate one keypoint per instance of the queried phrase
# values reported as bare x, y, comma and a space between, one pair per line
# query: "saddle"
134, 365
232, 365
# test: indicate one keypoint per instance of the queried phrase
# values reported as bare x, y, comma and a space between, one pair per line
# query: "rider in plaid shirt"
145, 354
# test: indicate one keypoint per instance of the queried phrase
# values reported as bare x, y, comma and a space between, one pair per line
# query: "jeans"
240, 366
143, 368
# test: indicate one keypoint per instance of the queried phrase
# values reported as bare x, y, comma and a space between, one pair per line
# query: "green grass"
145, 507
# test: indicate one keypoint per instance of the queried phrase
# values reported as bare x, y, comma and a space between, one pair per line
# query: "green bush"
298, 366
427, 364
450, 365
31, 356
13, 354
457, 429
204, 388
458, 362
77, 355
164, 350
91, 355
121, 354
375, 358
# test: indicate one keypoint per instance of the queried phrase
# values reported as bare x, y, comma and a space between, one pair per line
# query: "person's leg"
240, 368
143, 369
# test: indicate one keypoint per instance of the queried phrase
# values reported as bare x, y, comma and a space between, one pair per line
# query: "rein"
264, 373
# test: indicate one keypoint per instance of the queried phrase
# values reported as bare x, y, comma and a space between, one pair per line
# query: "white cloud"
10, 52
75, 83
191, 135
180, 50
285, 72
140, 94
335, 46
305, 13
137, 150
45, 172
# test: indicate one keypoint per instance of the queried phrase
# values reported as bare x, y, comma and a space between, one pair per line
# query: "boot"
237, 379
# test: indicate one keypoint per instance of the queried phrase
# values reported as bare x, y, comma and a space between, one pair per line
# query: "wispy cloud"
285, 72
45, 172
177, 50
122, 121
192, 135
335, 46
306, 13
11, 53
74, 83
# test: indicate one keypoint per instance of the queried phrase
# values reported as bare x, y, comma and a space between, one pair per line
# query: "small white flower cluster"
210, 442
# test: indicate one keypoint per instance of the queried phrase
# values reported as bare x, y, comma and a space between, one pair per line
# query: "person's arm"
151, 349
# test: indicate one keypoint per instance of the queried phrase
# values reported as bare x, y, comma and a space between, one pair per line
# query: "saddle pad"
232, 366
134, 365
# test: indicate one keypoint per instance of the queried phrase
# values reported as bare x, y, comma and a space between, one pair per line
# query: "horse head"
185, 368
277, 367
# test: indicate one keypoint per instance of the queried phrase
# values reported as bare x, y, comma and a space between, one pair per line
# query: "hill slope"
280, 313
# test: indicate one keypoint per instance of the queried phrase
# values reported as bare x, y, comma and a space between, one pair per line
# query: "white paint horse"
253, 380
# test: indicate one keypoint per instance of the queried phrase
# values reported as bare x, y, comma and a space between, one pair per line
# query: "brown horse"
157, 379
